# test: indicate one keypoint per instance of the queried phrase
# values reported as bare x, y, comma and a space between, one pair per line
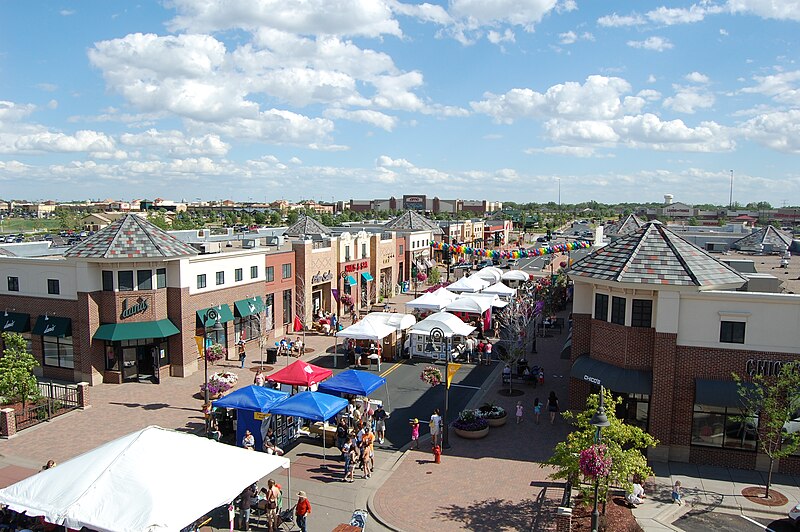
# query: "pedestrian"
435, 424
302, 510
368, 451
334, 323
347, 457
248, 442
49, 465
341, 434
552, 406
245, 503
676, 493
259, 379
541, 376
380, 423
497, 329
519, 412
242, 354
415, 432
481, 348
470, 345
537, 409
488, 350
352, 454
272, 493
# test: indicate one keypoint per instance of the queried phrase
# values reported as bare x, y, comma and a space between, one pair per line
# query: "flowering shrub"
432, 375
594, 462
421, 277
215, 352
220, 382
490, 411
346, 300
470, 420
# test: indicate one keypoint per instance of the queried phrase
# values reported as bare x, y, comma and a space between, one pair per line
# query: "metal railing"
56, 399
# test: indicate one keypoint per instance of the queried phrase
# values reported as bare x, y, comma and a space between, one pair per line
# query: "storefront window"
247, 328
718, 426
161, 278
618, 310
269, 306
144, 279
601, 307
216, 337
642, 313
58, 351
108, 281
112, 360
287, 307
125, 280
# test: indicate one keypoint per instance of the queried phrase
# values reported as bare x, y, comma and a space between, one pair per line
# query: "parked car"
484, 264
542, 239
512, 263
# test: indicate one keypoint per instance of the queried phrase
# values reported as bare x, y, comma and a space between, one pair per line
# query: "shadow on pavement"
491, 514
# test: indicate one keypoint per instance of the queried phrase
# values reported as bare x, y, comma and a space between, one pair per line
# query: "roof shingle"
130, 237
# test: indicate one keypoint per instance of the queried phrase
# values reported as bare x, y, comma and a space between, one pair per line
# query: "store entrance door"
130, 370
144, 358
316, 302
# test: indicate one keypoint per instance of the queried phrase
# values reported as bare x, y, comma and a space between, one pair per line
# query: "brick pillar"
83, 395
563, 519
662, 398
581, 345
8, 423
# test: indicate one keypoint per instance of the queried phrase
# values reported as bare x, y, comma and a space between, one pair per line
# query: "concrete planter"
499, 422
472, 434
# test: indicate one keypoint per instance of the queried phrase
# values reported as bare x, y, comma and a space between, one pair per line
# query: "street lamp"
437, 336
598, 421
212, 314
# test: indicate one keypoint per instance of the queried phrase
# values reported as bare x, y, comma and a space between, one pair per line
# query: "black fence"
56, 399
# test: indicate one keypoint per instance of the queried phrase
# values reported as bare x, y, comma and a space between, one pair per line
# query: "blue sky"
473, 99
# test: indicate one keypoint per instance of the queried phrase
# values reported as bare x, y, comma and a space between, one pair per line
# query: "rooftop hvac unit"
209, 247
249, 243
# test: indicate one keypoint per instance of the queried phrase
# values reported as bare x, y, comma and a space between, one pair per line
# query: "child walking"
676, 493
537, 409
415, 432
519, 412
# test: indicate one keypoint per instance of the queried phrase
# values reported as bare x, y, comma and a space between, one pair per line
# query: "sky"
502, 100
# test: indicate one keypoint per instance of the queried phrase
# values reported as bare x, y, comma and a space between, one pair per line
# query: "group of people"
291, 348
637, 496
328, 322
269, 501
269, 446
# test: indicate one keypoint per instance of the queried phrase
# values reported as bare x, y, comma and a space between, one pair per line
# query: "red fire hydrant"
437, 454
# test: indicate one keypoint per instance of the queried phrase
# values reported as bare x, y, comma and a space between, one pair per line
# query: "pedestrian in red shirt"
302, 510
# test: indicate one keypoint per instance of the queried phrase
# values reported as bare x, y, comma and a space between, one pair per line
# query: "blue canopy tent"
354, 382
311, 405
250, 402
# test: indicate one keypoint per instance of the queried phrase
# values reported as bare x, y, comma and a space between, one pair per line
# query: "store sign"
362, 265
48, 329
593, 380
768, 368
137, 308
322, 278
8, 324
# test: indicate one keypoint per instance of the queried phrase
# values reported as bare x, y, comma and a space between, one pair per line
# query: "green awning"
225, 315
718, 393
366, 276
249, 306
53, 326
350, 280
138, 330
15, 322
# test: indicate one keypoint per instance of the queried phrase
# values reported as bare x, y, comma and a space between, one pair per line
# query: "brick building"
664, 325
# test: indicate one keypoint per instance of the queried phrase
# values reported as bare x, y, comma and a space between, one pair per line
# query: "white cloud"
495, 37
689, 99
723, 32
615, 21
176, 144
697, 77
658, 44
569, 37
374, 118
779, 130
565, 6
567, 151
783, 87
775, 9
670, 16
649, 95
651, 79
96, 143
66, 12
525, 13
47, 87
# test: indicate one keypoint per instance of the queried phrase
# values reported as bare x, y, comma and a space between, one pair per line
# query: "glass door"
144, 357
130, 371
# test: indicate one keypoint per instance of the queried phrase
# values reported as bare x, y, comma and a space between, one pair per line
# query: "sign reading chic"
322, 278
137, 308
768, 368
361, 265
593, 380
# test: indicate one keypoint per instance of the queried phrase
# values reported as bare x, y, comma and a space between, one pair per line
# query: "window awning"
566, 351
420, 265
225, 315
614, 378
350, 280
366, 276
15, 322
717, 393
53, 326
430, 263
249, 306
114, 332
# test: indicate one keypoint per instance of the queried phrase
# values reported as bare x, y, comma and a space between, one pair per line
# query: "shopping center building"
664, 325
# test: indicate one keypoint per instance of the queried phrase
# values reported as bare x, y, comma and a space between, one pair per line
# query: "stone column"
8, 423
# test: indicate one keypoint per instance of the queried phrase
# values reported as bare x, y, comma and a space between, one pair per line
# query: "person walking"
415, 432
369, 452
302, 510
242, 354
272, 494
470, 348
488, 350
245, 503
676, 493
435, 424
380, 423
347, 457
352, 453
537, 409
519, 412
552, 406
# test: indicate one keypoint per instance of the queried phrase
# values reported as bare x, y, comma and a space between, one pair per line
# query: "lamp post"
437, 336
598, 421
212, 314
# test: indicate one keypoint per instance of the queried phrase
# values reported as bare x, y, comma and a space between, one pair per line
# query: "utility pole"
730, 200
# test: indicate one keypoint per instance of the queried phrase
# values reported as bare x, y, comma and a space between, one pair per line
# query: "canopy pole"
289, 483
335, 350
388, 402
323, 444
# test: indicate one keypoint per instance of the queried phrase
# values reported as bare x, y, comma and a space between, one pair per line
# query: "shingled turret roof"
767, 236
656, 255
413, 221
130, 237
306, 225
629, 225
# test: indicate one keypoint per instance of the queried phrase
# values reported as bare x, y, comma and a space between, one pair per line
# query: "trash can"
272, 355
405, 286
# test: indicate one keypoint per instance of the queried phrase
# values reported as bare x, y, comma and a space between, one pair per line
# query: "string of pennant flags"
512, 253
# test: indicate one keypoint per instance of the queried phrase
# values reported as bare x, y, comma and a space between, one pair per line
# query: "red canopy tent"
300, 373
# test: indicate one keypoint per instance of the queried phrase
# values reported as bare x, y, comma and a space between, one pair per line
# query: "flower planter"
499, 422
472, 434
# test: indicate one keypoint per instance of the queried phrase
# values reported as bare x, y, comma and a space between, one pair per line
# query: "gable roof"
629, 225
130, 237
413, 221
656, 255
306, 225
767, 236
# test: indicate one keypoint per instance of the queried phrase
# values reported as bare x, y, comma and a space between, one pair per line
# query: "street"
703, 521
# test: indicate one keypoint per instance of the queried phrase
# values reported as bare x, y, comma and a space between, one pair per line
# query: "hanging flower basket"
215, 352
595, 461
421, 277
347, 300
219, 383
431, 375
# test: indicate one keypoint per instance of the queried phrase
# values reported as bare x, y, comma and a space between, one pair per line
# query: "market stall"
453, 328
366, 333
252, 404
432, 301
354, 382
472, 283
501, 290
393, 345
130, 484
472, 308
515, 278
300, 373
490, 274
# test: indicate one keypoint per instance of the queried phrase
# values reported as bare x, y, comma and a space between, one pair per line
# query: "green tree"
275, 219
16, 370
292, 217
774, 402
69, 219
159, 219
626, 445
692, 221
434, 276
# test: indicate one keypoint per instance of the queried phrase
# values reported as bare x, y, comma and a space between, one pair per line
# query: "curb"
371, 497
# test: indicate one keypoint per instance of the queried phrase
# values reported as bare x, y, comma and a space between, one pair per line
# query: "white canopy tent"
515, 275
468, 284
432, 300
500, 289
153, 479
471, 305
449, 324
490, 273
400, 322
366, 330
494, 299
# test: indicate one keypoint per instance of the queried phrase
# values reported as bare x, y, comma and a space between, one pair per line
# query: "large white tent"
499, 289
399, 321
468, 284
449, 324
367, 330
470, 305
432, 300
153, 479
490, 273
515, 275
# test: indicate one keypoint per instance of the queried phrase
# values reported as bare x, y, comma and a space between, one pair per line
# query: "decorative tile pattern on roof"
305, 225
629, 225
766, 236
130, 237
655, 255
413, 221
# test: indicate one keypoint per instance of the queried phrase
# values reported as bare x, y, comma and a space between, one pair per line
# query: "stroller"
286, 519
359, 519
